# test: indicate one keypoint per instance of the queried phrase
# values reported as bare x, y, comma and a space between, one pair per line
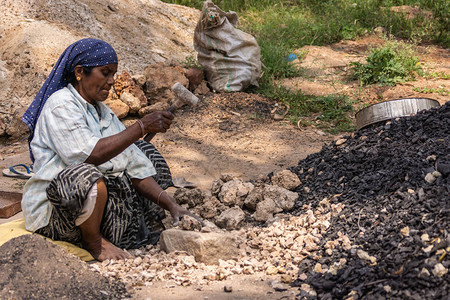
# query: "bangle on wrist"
159, 196
142, 127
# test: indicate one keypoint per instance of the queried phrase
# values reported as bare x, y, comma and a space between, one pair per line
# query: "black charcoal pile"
394, 181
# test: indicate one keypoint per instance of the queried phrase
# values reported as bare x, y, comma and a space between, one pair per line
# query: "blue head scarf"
87, 53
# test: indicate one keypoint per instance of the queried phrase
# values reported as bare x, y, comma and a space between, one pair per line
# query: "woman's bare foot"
101, 249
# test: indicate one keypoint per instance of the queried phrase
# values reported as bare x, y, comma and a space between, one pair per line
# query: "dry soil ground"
235, 133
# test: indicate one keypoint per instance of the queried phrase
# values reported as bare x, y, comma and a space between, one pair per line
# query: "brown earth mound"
32, 268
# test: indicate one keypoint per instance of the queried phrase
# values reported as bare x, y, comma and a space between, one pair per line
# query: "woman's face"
96, 85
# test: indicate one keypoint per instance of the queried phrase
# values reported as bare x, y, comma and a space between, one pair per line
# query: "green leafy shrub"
387, 65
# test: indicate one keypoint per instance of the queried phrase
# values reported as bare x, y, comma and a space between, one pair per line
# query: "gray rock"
192, 197
216, 186
283, 198
253, 198
234, 192
230, 219
265, 210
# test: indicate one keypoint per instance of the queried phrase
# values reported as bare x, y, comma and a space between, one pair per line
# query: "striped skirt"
129, 221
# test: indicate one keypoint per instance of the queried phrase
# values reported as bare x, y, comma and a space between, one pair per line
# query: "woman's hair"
71, 76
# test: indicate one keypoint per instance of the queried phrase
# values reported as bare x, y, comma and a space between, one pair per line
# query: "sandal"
24, 171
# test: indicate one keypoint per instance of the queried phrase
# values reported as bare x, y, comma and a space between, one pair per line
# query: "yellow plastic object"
16, 228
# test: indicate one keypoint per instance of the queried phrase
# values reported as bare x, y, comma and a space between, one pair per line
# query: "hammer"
182, 97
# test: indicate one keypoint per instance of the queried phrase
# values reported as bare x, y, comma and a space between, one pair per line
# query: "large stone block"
207, 248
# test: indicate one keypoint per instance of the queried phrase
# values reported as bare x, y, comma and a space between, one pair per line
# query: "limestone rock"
155, 107
139, 79
160, 79
202, 89
16, 127
226, 177
195, 77
232, 218
265, 210
119, 108
205, 247
132, 101
216, 186
125, 83
286, 179
234, 192
190, 223
283, 198
192, 197
254, 197
210, 208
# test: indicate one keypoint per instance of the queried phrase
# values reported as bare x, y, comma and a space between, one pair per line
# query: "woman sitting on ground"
94, 177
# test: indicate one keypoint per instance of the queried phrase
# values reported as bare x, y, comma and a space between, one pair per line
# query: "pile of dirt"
33, 268
394, 182
34, 33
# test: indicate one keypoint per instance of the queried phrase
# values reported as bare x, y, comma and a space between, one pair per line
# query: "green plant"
282, 27
441, 91
441, 75
387, 65
191, 62
332, 112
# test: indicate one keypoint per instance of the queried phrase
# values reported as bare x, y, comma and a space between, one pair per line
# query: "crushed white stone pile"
273, 250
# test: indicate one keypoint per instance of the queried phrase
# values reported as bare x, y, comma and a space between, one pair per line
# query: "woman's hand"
177, 212
151, 190
157, 121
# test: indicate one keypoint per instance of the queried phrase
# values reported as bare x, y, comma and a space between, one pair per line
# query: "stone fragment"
405, 231
430, 178
254, 197
425, 237
216, 186
284, 199
234, 192
159, 106
132, 101
365, 256
228, 289
265, 210
271, 270
191, 197
190, 223
195, 76
436, 174
340, 142
423, 273
207, 248
286, 278
160, 79
286, 179
226, 177
139, 79
230, 219
210, 208
119, 108
202, 89
439, 270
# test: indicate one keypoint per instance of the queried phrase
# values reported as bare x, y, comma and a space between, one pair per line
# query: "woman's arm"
108, 147
150, 189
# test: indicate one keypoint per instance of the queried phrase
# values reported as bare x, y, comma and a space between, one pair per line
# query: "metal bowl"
392, 109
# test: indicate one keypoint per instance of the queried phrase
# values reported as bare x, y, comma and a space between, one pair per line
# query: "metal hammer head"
183, 95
